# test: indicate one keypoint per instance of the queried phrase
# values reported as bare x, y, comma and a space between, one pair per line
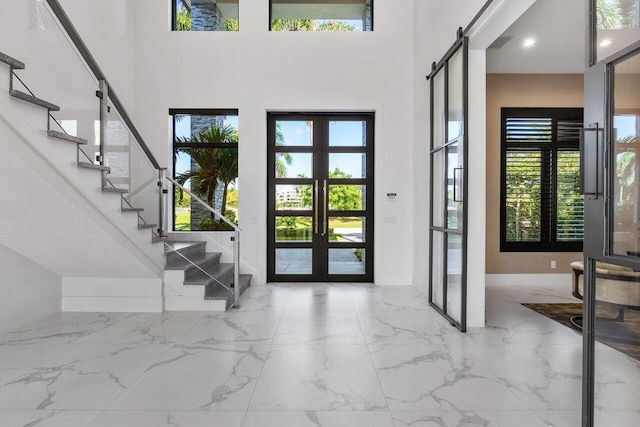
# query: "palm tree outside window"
205, 147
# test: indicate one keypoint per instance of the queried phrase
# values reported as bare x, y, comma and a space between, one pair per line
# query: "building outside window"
321, 15
205, 147
541, 205
205, 15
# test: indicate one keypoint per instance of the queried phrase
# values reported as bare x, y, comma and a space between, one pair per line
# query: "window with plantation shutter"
541, 205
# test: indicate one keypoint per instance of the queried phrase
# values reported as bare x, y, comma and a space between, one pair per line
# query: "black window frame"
173, 112
548, 242
363, 31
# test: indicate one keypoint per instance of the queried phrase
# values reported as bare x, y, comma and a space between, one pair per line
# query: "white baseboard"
528, 279
180, 303
112, 304
393, 279
111, 287
107, 294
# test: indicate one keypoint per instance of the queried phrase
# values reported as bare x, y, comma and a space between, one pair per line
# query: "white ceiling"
558, 28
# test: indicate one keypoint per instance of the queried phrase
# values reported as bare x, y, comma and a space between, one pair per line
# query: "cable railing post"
236, 267
162, 200
103, 94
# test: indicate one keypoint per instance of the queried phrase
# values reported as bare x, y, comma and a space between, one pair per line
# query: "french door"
610, 163
320, 197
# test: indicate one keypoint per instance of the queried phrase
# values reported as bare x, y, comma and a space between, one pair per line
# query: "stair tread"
114, 190
65, 137
87, 165
202, 279
156, 239
12, 62
145, 226
132, 209
183, 264
33, 100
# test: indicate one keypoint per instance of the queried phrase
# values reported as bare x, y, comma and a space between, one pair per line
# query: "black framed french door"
320, 197
448, 190
610, 163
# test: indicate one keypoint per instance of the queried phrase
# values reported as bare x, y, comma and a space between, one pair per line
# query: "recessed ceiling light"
529, 42
605, 43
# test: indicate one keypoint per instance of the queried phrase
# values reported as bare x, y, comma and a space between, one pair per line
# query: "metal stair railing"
108, 100
236, 236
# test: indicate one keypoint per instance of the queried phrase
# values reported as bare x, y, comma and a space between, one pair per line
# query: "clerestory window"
541, 205
321, 15
205, 15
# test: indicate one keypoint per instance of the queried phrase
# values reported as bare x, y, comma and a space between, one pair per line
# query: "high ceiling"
557, 29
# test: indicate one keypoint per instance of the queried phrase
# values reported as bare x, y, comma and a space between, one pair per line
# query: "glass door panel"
438, 188
454, 188
455, 126
617, 348
294, 133
618, 26
454, 276
626, 160
437, 269
346, 133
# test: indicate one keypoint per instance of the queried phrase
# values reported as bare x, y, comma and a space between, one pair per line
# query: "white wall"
28, 291
257, 71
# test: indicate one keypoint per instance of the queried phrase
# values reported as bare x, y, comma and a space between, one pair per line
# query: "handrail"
64, 20
204, 204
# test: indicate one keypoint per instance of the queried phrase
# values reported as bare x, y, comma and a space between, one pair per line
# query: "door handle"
325, 208
457, 197
315, 203
592, 162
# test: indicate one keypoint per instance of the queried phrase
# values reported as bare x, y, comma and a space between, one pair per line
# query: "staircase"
82, 160
194, 280
191, 273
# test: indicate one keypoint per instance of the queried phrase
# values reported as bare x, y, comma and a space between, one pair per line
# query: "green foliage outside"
626, 186
341, 197
215, 167
183, 18
617, 14
311, 25
301, 228
524, 196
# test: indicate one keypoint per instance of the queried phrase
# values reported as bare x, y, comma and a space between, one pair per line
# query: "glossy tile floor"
311, 355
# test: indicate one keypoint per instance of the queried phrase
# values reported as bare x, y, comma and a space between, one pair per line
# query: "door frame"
320, 248
461, 45
599, 110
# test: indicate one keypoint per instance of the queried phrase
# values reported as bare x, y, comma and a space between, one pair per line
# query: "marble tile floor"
311, 355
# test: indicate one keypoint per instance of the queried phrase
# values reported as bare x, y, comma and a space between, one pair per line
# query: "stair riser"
190, 252
192, 271
226, 278
244, 283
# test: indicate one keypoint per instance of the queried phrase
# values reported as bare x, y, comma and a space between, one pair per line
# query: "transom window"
205, 148
205, 15
321, 15
541, 205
